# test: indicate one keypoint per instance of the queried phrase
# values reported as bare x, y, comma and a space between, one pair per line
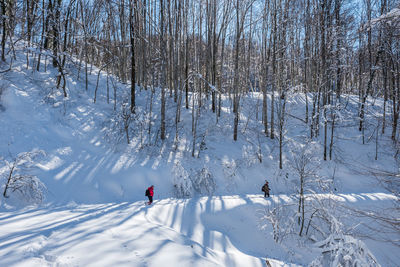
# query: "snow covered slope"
84, 164
93, 213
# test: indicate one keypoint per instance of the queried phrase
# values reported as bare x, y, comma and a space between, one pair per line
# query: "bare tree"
242, 9
132, 34
163, 74
303, 164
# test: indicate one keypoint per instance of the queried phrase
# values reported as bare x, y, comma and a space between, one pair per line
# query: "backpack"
147, 193
265, 188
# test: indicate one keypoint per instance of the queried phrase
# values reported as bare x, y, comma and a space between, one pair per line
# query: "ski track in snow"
206, 231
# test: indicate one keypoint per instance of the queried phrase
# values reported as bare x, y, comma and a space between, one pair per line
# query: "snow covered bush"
182, 183
322, 229
203, 181
20, 181
123, 126
113, 129
340, 250
251, 154
282, 220
119, 127
186, 182
230, 170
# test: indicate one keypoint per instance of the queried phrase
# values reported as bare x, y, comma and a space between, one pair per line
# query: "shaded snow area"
80, 200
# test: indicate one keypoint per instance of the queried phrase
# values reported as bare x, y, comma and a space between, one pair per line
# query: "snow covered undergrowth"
93, 211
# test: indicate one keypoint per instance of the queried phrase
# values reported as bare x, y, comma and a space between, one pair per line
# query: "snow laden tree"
19, 177
343, 250
307, 181
317, 219
188, 180
182, 184
307, 174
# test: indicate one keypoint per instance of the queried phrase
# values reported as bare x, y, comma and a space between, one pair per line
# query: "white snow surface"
94, 212
206, 231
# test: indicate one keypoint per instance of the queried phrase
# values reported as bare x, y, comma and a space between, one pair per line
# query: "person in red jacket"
150, 194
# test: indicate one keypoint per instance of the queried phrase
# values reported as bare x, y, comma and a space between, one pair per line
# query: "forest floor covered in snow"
92, 212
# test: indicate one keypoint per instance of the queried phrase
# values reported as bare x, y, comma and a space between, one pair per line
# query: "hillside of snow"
208, 209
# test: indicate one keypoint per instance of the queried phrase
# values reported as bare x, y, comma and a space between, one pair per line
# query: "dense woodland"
325, 48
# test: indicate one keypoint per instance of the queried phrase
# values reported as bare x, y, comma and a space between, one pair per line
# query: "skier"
150, 194
266, 189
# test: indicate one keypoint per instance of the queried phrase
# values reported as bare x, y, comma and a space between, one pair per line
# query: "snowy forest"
206, 100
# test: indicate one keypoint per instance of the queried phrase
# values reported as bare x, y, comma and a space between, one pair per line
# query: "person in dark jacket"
266, 189
150, 194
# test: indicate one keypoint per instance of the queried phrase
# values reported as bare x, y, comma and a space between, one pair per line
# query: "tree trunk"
56, 40
4, 29
236, 73
132, 33
163, 74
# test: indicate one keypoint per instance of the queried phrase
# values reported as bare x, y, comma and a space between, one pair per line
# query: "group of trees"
325, 48
210, 49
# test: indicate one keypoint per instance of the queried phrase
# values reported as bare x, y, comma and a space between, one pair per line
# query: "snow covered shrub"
112, 130
340, 250
323, 229
118, 127
123, 126
229, 169
195, 180
203, 181
19, 180
251, 155
182, 183
282, 220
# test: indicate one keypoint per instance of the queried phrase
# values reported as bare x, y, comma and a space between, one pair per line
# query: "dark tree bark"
163, 74
132, 33
4, 29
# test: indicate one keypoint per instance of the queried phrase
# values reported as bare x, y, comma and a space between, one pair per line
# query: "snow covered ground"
207, 231
93, 213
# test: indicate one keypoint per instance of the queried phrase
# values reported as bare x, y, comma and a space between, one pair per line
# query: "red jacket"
151, 190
